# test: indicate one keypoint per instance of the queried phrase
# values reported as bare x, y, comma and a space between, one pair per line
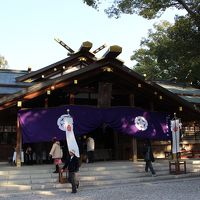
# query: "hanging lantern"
19, 104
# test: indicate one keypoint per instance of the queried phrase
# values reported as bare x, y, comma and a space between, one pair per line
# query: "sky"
28, 29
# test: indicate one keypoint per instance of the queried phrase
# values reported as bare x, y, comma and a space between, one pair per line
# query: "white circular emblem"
65, 122
141, 123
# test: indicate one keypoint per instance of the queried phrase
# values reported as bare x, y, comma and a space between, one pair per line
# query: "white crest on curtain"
141, 123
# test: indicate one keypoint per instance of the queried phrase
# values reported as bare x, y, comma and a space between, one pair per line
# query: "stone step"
30, 170
32, 178
40, 179
13, 188
89, 171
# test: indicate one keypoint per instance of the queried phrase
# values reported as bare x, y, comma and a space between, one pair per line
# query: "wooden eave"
16, 85
67, 62
177, 98
41, 87
100, 66
149, 88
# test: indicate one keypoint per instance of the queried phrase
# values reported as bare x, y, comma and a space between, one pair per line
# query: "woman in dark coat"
148, 157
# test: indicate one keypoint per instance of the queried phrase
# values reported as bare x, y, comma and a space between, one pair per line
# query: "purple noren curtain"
41, 124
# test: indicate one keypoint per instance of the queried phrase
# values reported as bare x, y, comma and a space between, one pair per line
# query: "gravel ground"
161, 190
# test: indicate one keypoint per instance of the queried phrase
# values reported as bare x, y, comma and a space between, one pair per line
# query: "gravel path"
161, 190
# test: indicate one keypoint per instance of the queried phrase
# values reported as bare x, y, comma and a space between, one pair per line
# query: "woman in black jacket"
148, 157
72, 165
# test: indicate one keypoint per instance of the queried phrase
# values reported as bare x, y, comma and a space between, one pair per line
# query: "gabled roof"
8, 84
109, 64
188, 93
177, 98
8, 76
82, 58
61, 81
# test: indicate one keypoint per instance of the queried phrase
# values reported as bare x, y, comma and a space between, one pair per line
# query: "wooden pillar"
19, 144
46, 103
151, 106
132, 100
71, 98
104, 94
134, 143
116, 146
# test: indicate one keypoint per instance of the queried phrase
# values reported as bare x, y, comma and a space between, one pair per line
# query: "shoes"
77, 186
74, 192
153, 175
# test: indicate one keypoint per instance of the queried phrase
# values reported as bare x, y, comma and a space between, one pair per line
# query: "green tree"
3, 62
170, 51
146, 8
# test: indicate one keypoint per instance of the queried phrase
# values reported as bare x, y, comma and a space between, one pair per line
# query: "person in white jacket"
56, 154
90, 150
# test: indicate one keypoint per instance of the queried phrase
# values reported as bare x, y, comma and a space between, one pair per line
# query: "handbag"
62, 178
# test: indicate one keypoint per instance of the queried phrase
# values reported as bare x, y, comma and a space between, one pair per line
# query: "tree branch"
191, 12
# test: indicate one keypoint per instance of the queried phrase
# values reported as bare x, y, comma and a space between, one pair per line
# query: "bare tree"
3, 62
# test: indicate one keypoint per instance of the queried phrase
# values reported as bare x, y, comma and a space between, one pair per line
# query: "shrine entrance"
110, 145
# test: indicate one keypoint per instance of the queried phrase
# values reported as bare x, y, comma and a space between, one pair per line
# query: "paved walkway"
185, 186
161, 190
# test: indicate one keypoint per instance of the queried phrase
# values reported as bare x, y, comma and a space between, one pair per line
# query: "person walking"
38, 151
148, 157
72, 165
90, 149
56, 154
29, 156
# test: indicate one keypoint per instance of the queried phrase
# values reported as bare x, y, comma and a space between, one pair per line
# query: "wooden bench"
175, 167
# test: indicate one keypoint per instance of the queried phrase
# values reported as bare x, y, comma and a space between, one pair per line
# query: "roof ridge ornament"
113, 51
71, 51
99, 49
86, 46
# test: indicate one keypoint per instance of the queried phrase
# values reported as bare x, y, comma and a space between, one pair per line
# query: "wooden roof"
107, 64
8, 84
77, 58
186, 92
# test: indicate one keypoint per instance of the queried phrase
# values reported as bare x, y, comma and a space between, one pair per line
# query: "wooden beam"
18, 146
104, 94
151, 105
71, 99
134, 149
46, 102
132, 100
